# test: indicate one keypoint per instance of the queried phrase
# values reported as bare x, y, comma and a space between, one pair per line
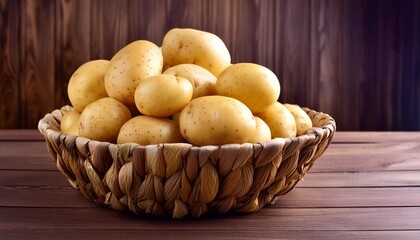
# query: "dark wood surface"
357, 60
365, 186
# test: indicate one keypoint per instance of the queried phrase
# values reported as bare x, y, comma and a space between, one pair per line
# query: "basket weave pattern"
180, 179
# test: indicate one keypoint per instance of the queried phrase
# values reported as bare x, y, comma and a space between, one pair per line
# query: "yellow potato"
70, 123
175, 117
129, 66
203, 81
146, 130
87, 84
216, 120
303, 121
252, 84
163, 95
102, 119
186, 45
262, 132
280, 120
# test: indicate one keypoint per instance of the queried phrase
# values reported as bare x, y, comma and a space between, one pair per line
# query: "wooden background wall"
358, 60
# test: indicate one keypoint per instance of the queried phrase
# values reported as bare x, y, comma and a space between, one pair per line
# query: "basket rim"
45, 128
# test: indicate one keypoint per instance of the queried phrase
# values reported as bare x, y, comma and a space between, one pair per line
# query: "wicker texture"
183, 180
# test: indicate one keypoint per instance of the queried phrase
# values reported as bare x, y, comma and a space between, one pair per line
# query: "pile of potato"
187, 90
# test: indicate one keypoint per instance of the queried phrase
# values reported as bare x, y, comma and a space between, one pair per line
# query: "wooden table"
366, 186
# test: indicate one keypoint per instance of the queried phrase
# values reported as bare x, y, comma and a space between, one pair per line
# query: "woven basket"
180, 179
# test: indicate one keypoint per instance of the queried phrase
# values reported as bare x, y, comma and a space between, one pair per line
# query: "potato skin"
101, 120
262, 132
302, 120
252, 84
87, 85
186, 45
203, 81
216, 120
70, 123
129, 66
163, 95
280, 120
145, 130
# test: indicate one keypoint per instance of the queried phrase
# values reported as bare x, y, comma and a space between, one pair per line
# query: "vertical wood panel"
372, 86
72, 45
354, 68
329, 57
408, 81
295, 52
147, 20
9, 64
385, 68
244, 25
37, 56
109, 27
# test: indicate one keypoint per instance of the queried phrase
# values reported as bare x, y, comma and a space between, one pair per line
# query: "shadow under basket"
181, 180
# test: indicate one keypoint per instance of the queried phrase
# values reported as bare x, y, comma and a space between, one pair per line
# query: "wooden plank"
370, 163
152, 24
32, 178
38, 60
68, 197
375, 137
406, 97
326, 63
369, 157
72, 34
32, 163
20, 135
361, 179
10, 64
268, 219
46, 197
104, 234
109, 25
295, 71
350, 197
25, 156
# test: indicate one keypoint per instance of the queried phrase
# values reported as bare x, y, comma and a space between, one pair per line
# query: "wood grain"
359, 219
10, 65
37, 89
356, 60
72, 43
134, 233
67, 197
109, 26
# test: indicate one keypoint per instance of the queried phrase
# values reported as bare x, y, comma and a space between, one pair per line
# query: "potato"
185, 45
102, 119
175, 117
70, 123
129, 66
262, 132
87, 84
203, 81
303, 121
216, 120
280, 120
146, 130
163, 95
252, 84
